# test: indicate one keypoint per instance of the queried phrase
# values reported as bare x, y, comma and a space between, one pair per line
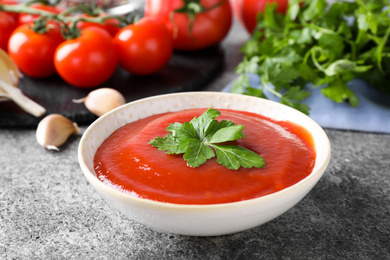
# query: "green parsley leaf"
338, 91
226, 134
234, 157
255, 92
203, 138
169, 143
197, 153
240, 84
296, 93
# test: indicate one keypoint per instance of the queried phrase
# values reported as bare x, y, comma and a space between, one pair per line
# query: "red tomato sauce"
128, 162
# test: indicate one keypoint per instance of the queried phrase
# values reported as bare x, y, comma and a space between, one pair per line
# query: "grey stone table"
49, 211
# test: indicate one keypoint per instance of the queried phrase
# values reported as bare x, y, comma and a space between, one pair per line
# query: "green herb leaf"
255, 92
240, 84
197, 153
169, 144
234, 157
202, 138
226, 134
338, 91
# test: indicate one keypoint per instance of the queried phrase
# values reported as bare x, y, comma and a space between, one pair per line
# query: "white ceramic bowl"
201, 220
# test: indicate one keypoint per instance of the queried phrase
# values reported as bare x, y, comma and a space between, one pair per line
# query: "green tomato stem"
24, 8
67, 21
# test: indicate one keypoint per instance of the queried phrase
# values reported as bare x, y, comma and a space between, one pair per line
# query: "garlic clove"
6, 77
4, 73
101, 101
9, 72
25, 103
54, 130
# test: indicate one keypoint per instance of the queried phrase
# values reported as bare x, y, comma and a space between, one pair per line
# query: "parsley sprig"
203, 137
319, 44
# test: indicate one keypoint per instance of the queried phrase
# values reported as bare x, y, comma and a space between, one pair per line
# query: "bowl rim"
308, 180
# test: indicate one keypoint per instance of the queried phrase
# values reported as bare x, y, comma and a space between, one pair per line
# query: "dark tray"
186, 71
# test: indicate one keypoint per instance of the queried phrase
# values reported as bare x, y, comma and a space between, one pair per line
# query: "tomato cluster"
40, 49
141, 48
90, 58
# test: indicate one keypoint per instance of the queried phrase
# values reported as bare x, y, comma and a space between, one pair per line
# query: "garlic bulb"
101, 101
54, 130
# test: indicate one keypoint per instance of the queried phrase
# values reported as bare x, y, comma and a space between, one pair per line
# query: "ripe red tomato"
7, 25
29, 18
209, 27
144, 47
88, 60
246, 11
110, 25
33, 52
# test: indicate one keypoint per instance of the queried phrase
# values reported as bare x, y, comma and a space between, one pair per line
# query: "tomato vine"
67, 20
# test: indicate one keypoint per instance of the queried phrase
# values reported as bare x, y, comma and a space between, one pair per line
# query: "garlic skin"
103, 100
53, 131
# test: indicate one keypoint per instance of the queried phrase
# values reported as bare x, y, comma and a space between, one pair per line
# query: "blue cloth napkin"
371, 115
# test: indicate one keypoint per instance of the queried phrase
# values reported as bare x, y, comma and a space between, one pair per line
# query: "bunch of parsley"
319, 44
